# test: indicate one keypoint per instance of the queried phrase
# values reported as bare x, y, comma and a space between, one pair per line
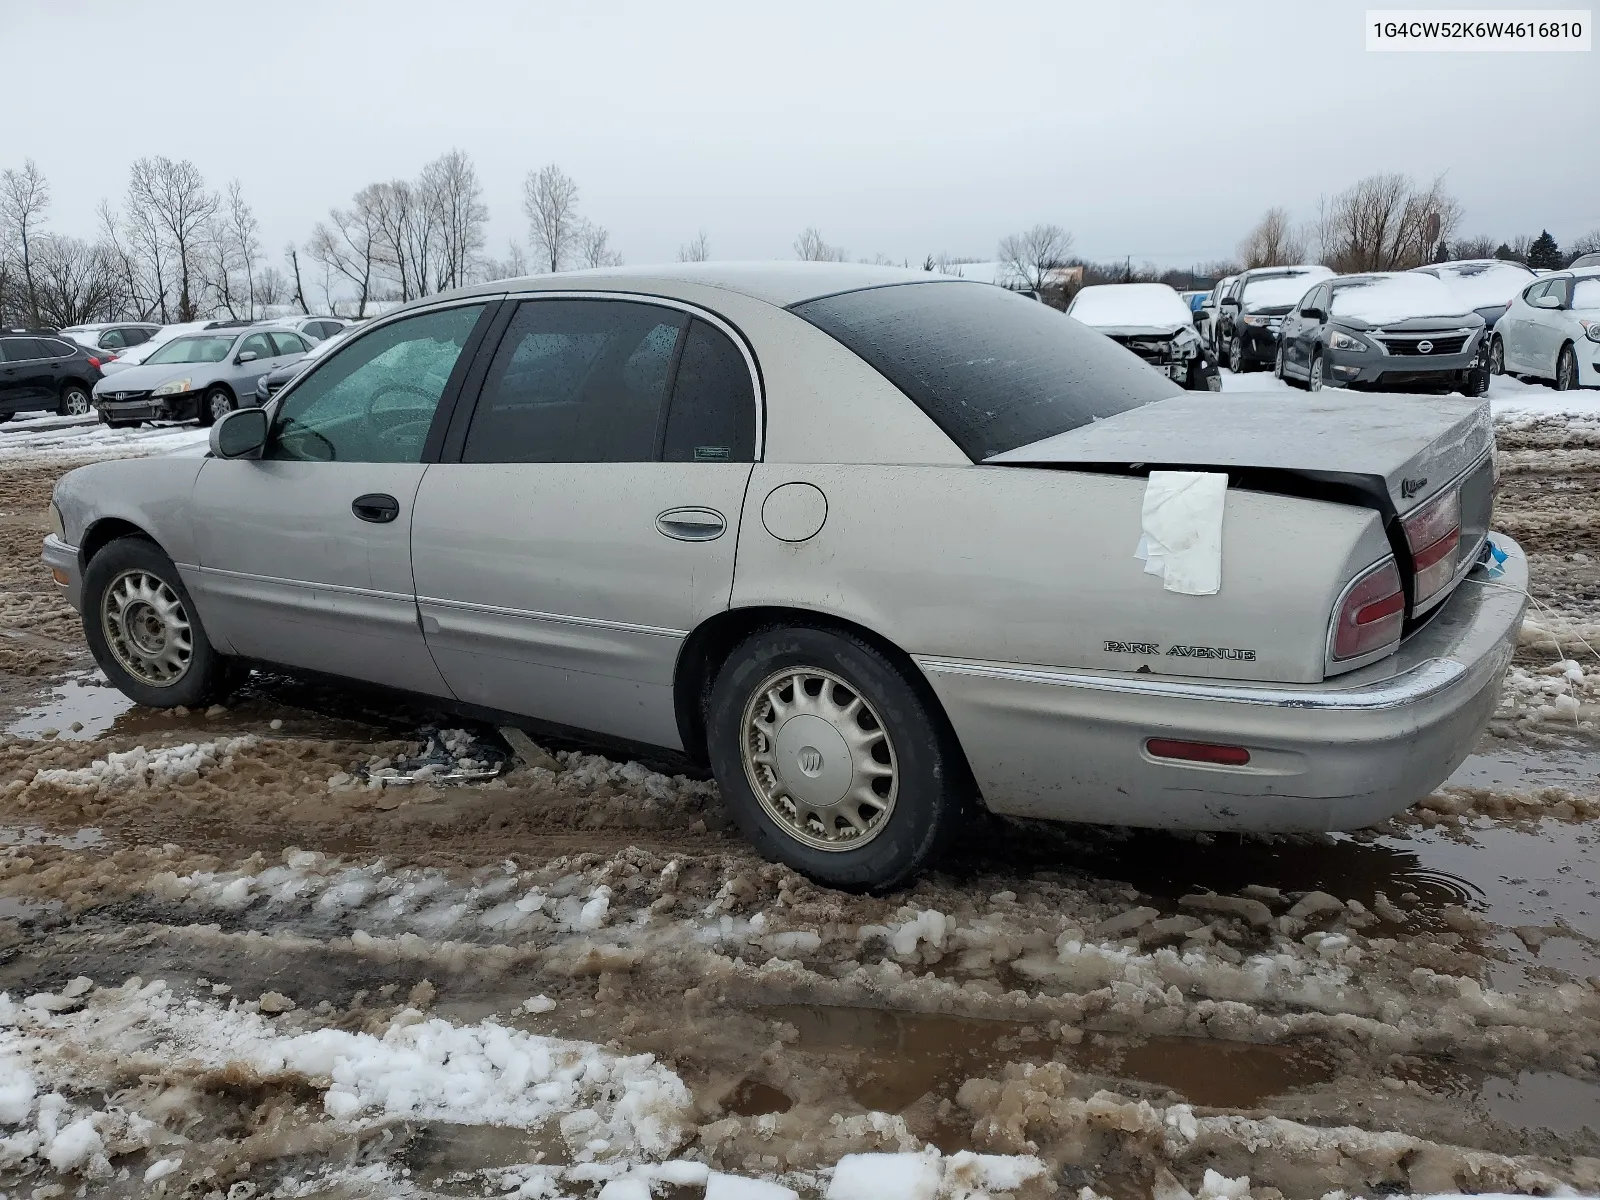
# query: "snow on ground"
46, 438
1508, 397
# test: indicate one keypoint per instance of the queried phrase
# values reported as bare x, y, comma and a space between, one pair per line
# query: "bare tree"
24, 197
273, 288
698, 250
456, 202
1587, 243
594, 247
513, 266
1473, 247
1030, 257
349, 247
550, 199
147, 252
810, 246
291, 255
243, 231
1382, 223
391, 210
1272, 242
74, 281
173, 196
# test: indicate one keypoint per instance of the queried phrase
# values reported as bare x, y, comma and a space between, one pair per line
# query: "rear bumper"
62, 560
1071, 745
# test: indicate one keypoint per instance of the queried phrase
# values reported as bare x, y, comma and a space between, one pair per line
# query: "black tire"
1567, 369
1277, 363
216, 404
206, 676
1236, 362
932, 786
1497, 356
75, 400
1475, 381
1314, 372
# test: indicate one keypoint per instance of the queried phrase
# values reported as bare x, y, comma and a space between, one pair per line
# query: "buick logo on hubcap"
811, 761
1424, 347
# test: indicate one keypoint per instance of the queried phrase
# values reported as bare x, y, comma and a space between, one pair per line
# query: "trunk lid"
1399, 450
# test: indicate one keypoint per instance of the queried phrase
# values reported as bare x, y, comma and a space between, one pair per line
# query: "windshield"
192, 350
1115, 304
1586, 295
992, 369
1280, 291
1479, 285
1377, 299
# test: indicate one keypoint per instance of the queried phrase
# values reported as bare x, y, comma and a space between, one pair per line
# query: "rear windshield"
1279, 291
993, 369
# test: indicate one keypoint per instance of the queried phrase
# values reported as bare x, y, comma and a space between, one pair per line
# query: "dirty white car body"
949, 580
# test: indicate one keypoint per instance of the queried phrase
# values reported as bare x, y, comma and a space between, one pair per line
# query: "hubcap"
818, 759
147, 629
219, 406
1316, 373
1566, 374
77, 403
1497, 358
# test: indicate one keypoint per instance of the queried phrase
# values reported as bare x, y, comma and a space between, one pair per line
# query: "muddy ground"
1407, 1009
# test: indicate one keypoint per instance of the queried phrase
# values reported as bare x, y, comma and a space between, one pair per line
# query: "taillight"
1371, 613
1434, 534
1200, 752
97, 361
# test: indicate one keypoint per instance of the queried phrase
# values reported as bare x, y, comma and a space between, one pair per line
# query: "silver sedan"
880, 547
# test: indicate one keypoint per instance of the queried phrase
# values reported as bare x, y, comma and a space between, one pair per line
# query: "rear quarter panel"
1036, 566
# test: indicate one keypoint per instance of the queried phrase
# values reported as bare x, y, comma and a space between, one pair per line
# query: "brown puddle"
897, 1058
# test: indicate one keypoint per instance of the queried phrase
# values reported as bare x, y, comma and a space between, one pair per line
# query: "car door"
13, 358
29, 361
245, 372
1513, 328
591, 520
304, 554
1545, 330
1293, 334
286, 348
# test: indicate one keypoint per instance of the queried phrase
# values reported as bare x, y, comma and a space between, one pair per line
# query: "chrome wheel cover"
147, 628
1497, 357
1277, 365
1314, 380
220, 407
77, 403
1566, 372
819, 759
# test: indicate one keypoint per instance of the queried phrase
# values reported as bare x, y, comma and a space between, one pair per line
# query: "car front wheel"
1314, 376
75, 401
142, 628
1236, 356
217, 404
1497, 356
1566, 370
831, 761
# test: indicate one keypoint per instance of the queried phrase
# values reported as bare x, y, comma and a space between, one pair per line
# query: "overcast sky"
1152, 129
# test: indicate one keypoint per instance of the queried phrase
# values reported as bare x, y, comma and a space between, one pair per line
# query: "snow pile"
927, 1175
141, 767
606, 1105
1563, 694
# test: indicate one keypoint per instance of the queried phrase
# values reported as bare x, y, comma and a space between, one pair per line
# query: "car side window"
8, 353
134, 337
375, 399
288, 343
1536, 291
257, 344
576, 381
112, 339
712, 417
26, 350
55, 348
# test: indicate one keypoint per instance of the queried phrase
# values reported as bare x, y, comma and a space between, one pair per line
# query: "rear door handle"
692, 524
376, 507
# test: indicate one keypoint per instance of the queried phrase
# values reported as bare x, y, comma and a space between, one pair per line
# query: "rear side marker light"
1200, 752
1371, 614
1434, 534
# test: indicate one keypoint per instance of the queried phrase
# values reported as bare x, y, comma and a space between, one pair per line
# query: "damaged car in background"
1153, 321
879, 548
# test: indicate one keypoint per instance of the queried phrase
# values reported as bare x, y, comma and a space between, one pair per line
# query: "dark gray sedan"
1394, 331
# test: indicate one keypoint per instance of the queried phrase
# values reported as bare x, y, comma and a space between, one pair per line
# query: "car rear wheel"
1314, 375
831, 761
142, 628
217, 404
75, 401
1567, 370
1497, 356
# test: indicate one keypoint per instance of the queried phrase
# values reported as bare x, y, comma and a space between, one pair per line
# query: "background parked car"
1485, 285
1252, 309
313, 329
199, 376
1396, 331
1210, 307
135, 355
38, 372
113, 336
1153, 321
272, 382
1552, 331
1585, 260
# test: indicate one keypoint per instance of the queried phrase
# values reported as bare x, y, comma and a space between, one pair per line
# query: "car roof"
780, 283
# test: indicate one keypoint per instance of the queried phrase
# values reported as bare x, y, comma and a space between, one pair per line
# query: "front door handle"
376, 507
692, 524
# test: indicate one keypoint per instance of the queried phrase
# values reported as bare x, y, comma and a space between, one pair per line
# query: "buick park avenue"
881, 548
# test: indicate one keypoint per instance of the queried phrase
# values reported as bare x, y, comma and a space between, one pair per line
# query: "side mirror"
246, 356
1233, 300
1546, 301
1313, 314
240, 434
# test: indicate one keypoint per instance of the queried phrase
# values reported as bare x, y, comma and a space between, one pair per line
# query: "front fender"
152, 494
